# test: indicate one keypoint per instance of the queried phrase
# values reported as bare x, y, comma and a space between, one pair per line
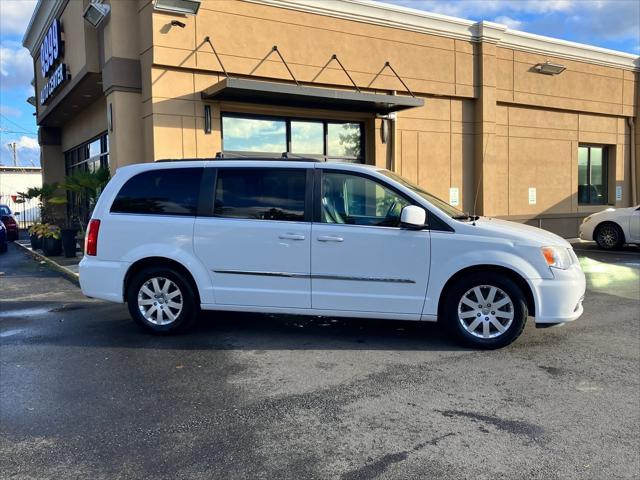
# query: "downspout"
634, 186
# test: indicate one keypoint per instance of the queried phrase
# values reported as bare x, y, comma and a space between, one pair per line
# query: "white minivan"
318, 238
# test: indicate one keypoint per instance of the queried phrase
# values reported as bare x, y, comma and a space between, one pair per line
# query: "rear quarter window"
171, 191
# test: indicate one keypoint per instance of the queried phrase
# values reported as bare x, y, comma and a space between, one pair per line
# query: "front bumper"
559, 300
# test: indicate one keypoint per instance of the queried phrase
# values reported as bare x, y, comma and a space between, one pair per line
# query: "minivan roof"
246, 162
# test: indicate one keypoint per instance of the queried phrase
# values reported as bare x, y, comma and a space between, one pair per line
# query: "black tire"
609, 236
184, 318
505, 289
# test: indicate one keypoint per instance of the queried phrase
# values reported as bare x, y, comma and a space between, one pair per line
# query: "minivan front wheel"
486, 310
161, 300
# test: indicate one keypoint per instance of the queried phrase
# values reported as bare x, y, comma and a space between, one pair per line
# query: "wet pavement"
85, 394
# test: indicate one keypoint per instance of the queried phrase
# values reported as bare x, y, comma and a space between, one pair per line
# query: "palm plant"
46, 195
86, 187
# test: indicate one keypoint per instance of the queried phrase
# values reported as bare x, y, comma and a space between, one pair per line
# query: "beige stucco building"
490, 128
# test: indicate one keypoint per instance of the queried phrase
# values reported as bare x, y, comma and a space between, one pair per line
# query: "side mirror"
413, 218
16, 213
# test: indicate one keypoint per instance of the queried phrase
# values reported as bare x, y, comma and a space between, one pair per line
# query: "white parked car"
613, 227
316, 238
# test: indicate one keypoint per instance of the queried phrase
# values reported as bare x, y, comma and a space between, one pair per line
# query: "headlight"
557, 257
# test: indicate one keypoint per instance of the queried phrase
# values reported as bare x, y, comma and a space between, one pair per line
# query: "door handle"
290, 236
330, 238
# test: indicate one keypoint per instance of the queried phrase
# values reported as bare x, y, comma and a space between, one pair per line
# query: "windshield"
435, 201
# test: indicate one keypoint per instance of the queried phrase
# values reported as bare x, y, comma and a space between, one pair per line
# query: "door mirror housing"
413, 217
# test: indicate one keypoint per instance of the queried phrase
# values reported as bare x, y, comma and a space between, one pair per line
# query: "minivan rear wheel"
485, 310
161, 300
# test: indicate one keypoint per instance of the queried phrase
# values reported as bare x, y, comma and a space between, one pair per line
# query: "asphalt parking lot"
86, 394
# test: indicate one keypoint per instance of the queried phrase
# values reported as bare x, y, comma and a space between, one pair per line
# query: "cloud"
610, 23
27, 151
16, 66
512, 23
15, 16
8, 111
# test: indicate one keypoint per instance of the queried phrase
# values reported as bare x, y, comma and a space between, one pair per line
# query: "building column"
53, 165
487, 171
124, 123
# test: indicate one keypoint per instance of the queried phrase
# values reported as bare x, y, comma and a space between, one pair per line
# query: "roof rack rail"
268, 156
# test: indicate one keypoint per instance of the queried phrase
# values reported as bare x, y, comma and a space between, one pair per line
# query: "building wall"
491, 126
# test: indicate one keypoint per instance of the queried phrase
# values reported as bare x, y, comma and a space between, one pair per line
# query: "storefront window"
592, 175
254, 135
334, 140
344, 140
307, 137
89, 156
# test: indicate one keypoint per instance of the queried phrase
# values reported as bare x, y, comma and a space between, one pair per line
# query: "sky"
613, 24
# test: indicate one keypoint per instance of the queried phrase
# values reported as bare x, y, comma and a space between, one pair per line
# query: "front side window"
172, 191
355, 200
330, 139
592, 175
261, 194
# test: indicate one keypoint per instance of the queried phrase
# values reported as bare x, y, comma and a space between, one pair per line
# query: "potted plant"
51, 240
86, 187
44, 195
35, 236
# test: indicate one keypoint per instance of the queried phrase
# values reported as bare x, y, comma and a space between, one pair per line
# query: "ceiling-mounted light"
95, 13
548, 68
182, 7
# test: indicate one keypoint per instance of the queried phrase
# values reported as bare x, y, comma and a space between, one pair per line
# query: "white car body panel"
628, 219
375, 272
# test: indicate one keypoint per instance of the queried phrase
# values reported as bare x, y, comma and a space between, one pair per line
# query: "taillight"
91, 240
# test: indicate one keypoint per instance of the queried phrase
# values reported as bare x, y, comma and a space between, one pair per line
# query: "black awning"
273, 93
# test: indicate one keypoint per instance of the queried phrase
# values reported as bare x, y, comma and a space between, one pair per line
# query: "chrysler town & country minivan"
318, 238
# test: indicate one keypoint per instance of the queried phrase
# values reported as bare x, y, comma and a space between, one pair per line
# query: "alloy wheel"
485, 311
608, 236
160, 301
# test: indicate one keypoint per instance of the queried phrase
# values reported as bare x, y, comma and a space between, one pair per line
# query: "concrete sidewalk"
67, 266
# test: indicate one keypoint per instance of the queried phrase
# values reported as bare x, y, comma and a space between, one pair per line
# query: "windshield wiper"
465, 216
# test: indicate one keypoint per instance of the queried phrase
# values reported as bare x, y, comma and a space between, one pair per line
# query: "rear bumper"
560, 299
102, 279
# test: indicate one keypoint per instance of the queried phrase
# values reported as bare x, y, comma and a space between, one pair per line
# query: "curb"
67, 272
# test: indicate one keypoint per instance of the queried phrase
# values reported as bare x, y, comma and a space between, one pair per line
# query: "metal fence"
27, 213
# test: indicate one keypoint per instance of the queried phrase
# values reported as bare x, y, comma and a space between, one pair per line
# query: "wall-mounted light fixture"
207, 119
95, 13
178, 23
548, 68
182, 7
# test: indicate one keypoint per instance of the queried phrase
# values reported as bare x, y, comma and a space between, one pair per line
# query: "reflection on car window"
4, 210
356, 200
261, 193
160, 192
435, 201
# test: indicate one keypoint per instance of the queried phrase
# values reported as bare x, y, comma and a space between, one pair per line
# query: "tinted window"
4, 210
356, 200
171, 191
260, 193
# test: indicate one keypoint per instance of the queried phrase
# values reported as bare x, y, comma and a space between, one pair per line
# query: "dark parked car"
11, 224
3, 238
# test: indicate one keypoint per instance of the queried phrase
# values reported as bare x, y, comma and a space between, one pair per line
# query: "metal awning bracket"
215, 52
387, 64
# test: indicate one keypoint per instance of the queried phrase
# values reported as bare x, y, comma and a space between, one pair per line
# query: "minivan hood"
518, 232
